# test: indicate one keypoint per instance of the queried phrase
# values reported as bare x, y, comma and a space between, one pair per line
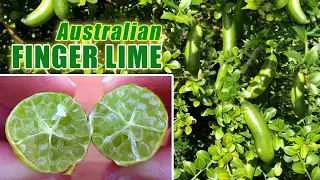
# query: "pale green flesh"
50, 131
129, 124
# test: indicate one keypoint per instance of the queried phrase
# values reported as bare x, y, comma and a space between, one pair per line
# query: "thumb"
11, 168
158, 168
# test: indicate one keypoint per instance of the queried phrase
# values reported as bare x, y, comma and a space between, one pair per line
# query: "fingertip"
12, 168
168, 138
4, 113
17, 88
158, 168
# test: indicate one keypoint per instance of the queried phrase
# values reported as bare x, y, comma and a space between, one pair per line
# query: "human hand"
17, 88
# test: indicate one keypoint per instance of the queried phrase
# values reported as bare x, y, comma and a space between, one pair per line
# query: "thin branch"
253, 56
11, 31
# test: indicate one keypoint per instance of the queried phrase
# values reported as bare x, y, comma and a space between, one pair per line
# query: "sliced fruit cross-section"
129, 124
49, 132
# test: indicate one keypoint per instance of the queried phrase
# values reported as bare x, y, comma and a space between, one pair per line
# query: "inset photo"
86, 127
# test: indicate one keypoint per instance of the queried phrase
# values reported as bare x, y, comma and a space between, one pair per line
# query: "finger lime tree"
257, 91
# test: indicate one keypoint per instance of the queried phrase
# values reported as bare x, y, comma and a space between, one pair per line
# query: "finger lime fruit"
263, 79
40, 15
49, 132
129, 124
297, 95
259, 130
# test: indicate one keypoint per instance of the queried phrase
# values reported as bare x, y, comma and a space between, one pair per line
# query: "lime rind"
129, 124
49, 132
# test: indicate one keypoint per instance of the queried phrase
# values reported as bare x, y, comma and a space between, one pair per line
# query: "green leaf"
294, 55
196, 2
189, 167
166, 56
16, 15
176, 173
213, 150
252, 6
277, 143
188, 130
211, 174
227, 138
199, 163
182, 89
289, 150
168, 70
174, 64
300, 32
240, 172
269, 113
208, 112
314, 77
217, 15
249, 155
95, 1
204, 154
304, 151
219, 133
237, 163
183, 19
196, 103
315, 174
277, 170
168, 15
171, 4
311, 57
312, 159
143, 2
298, 167
224, 176
184, 4
240, 149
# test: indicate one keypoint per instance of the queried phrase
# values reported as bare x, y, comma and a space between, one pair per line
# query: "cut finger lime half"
129, 124
49, 132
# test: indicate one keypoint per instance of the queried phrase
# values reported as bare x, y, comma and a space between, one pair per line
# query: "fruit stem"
208, 165
304, 167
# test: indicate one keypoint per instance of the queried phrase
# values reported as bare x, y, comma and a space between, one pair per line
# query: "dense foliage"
239, 39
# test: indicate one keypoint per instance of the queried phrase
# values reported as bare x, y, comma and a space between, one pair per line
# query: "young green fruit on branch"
61, 8
192, 50
40, 15
259, 130
279, 4
296, 12
262, 80
297, 95
221, 73
229, 34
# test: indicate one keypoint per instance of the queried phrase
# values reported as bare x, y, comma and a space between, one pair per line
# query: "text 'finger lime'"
129, 124
49, 132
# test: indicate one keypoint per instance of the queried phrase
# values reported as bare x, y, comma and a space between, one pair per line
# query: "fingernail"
71, 82
107, 79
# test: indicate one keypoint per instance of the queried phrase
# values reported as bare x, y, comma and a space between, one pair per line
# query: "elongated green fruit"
279, 4
61, 8
296, 12
40, 15
192, 50
228, 32
262, 80
221, 73
297, 95
178, 133
238, 17
259, 130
